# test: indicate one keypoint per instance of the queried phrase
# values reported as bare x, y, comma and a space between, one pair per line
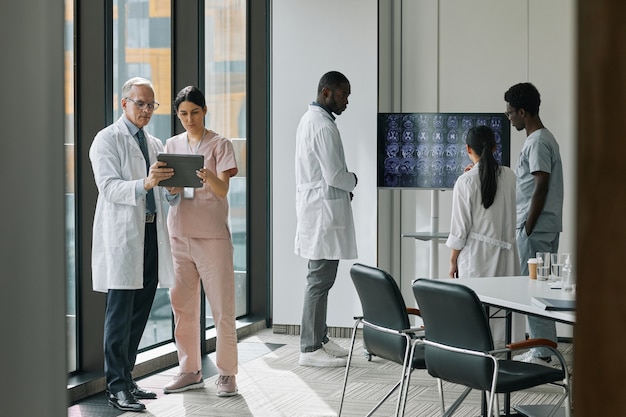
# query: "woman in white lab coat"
482, 228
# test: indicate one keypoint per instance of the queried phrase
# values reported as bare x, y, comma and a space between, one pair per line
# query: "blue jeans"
528, 246
320, 279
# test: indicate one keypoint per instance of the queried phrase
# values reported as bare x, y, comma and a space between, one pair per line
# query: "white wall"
310, 38
457, 56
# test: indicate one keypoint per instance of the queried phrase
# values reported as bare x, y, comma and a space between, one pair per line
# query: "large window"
142, 48
225, 91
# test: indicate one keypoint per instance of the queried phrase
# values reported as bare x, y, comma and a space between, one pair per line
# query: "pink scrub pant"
209, 260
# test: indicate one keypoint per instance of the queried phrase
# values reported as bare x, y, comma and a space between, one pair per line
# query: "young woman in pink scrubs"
202, 249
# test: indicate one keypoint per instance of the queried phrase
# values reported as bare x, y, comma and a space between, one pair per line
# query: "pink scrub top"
205, 215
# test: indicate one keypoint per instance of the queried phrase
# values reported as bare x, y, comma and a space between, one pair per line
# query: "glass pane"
70, 232
225, 91
142, 48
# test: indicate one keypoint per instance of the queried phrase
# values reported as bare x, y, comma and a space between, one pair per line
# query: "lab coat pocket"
333, 214
116, 230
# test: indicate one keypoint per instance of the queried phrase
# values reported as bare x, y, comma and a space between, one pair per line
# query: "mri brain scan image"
427, 150
392, 149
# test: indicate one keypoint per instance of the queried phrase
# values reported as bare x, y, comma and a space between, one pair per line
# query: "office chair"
459, 348
387, 331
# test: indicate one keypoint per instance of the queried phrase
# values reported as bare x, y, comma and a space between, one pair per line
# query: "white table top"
515, 293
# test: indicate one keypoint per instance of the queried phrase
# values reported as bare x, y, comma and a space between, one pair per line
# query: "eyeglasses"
145, 106
509, 113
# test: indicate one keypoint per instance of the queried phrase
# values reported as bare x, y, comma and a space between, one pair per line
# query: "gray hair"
128, 85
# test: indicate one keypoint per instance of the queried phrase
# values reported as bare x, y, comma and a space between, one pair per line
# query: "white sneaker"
320, 358
334, 349
529, 358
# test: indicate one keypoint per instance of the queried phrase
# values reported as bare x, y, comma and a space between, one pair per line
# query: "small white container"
567, 275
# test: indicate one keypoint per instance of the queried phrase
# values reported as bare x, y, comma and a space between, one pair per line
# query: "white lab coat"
486, 237
119, 223
325, 226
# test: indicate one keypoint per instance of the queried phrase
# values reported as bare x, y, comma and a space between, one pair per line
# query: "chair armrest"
544, 343
413, 311
418, 331
501, 350
525, 344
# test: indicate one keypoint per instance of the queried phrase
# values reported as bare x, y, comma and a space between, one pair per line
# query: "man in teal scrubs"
539, 195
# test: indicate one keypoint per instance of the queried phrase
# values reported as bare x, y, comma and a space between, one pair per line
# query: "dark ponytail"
482, 140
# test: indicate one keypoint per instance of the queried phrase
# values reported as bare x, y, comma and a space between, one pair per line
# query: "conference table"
514, 294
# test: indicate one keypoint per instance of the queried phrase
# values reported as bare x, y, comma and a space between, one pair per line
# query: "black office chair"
459, 348
387, 331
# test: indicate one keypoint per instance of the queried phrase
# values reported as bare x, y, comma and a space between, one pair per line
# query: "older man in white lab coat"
325, 229
131, 247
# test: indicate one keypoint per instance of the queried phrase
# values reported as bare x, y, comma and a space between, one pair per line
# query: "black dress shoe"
125, 401
142, 394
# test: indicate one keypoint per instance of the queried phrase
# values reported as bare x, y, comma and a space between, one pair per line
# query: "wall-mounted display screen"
427, 150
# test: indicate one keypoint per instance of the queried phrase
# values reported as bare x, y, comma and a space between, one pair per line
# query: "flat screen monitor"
427, 150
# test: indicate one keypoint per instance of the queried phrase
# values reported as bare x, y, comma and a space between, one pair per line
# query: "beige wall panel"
483, 50
552, 44
419, 56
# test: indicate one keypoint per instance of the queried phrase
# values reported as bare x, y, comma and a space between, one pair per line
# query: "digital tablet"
185, 167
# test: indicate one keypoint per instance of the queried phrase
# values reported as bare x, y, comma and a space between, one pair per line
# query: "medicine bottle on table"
567, 275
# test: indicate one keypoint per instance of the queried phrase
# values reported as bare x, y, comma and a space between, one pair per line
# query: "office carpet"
271, 383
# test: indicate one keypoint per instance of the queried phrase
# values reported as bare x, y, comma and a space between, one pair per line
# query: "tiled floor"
97, 406
271, 383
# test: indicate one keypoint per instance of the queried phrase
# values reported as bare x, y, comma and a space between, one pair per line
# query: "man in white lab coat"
131, 248
325, 228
